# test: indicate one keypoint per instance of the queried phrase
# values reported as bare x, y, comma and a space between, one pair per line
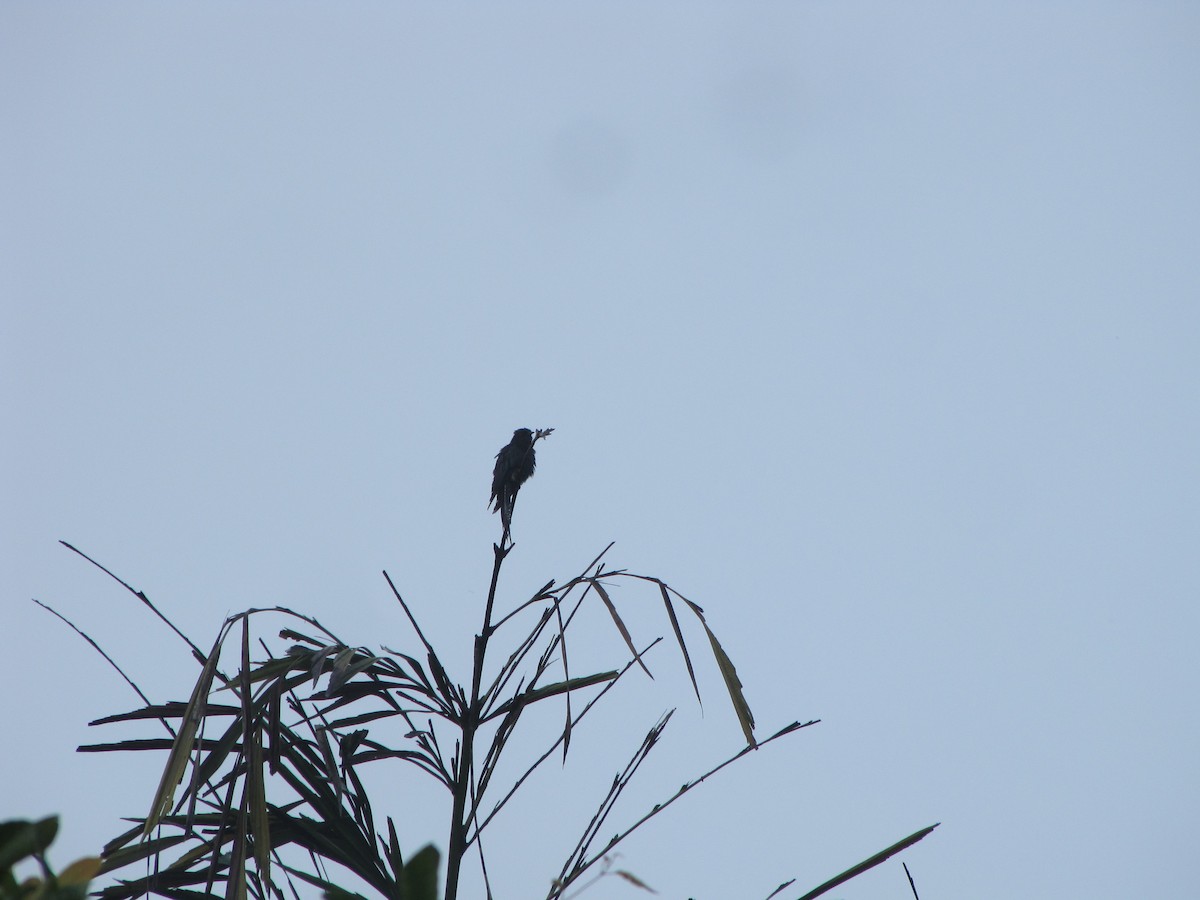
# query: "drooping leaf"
634, 880
734, 685
687, 659
612, 611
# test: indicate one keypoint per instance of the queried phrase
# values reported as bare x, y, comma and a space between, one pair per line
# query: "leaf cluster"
263, 788
307, 720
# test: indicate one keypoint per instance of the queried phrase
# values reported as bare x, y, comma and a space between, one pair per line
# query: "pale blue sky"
871, 327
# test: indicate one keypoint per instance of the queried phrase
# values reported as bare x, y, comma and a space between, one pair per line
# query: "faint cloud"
759, 111
589, 158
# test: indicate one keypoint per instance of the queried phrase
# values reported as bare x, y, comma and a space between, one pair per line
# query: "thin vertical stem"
470, 725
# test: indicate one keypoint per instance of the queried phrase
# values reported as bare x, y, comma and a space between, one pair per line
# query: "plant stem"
466, 756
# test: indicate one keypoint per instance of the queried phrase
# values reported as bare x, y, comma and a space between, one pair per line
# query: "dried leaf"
634, 880
80, 872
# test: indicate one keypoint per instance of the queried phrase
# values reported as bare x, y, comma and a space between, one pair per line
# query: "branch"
659, 807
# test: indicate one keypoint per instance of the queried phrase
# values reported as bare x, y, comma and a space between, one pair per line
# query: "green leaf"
420, 875
869, 863
177, 762
20, 839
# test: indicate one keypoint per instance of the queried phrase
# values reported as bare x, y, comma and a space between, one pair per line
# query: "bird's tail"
507, 503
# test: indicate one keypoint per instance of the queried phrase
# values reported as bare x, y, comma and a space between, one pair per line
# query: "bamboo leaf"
235, 885
316, 663
177, 762
196, 854
533, 695
687, 659
172, 710
217, 752
870, 863
634, 880
80, 872
445, 688
259, 817
783, 887
392, 851
568, 717
612, 611
145, 744
734, 685
116, 859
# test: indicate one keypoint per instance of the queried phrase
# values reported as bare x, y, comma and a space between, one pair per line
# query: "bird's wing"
500, 474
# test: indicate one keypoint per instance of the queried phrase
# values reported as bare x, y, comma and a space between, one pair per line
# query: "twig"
911, 883
107, 658
546, 755
199, 654
412, 620
571, 871
659, 807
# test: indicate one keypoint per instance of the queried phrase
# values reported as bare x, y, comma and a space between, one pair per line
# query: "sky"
870, 327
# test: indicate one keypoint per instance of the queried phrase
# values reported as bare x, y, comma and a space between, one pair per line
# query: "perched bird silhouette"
514, 466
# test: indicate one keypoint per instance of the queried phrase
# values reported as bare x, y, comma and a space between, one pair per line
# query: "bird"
514, 466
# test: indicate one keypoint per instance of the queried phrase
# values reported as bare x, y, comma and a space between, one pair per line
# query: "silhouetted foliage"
265, 756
